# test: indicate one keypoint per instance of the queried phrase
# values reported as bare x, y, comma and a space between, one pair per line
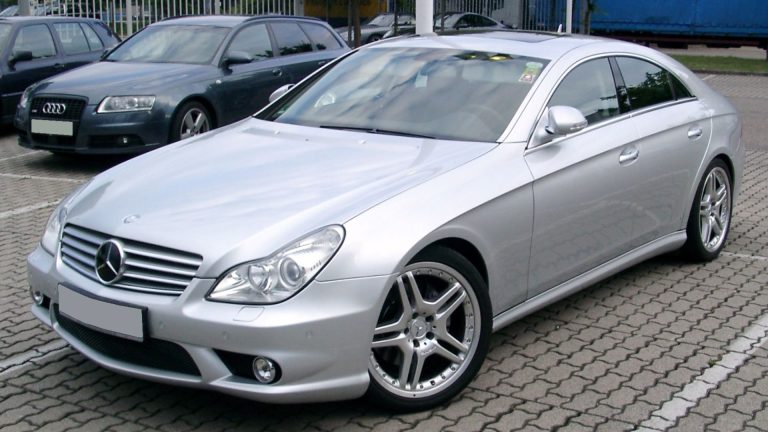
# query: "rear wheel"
432, 333
190, 120
710, 218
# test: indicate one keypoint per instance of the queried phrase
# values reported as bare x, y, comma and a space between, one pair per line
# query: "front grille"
149, 268
74, 108
54, 140
152, 353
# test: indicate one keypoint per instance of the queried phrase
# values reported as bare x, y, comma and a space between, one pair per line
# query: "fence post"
298, 7
569, 16
217, 7
24, 8
425, 11
129, 16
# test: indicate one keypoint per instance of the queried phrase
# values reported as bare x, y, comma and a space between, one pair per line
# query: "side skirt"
659, 246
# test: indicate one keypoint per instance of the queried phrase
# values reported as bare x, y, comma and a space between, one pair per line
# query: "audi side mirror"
19, 56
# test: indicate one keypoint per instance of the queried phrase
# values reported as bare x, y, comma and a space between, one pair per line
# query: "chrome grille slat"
151, 278
147, 265
83, 247
75, 254
148, 268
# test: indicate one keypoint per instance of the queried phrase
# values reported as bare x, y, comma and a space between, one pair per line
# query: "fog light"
264, 370
38, 297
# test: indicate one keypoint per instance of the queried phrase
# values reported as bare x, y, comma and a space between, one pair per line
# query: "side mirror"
236, 57
19, 56
280, 92
564, 120
558, 121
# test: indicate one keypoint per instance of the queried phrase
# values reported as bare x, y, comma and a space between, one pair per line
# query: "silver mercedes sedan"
366, 232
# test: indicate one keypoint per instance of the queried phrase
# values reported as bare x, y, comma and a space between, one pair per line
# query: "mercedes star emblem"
110, 261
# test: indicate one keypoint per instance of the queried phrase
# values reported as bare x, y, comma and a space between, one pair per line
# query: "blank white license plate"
52, 127
117, 319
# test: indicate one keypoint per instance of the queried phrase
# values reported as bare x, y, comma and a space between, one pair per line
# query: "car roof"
45, 18
544, 45
224, 20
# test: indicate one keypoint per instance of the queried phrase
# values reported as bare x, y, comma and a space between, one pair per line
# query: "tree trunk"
356, 21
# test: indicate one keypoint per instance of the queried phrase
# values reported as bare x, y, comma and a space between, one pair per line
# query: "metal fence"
128, 16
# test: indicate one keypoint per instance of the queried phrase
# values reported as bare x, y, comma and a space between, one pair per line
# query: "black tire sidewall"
380, 396
180, 113
694, 248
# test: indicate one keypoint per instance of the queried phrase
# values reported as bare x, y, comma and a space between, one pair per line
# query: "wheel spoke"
448, 338
397, 326
716, 225
417, 368
443, 352
706, 229
447, 295
398, 340
408, 308
722, 195
418, 301
442, 316
189, 123
199, 122
405, 368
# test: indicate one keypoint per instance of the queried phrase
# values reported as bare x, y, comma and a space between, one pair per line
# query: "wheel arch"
463, 247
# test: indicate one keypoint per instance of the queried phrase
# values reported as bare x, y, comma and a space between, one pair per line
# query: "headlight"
126, 103
53, 227
281, 275
24, 101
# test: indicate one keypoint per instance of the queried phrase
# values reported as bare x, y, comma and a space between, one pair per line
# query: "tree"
586, 8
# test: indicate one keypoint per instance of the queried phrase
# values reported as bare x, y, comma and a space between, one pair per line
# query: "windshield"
171, 44
9, 11
436, 93
450, 20
384, 20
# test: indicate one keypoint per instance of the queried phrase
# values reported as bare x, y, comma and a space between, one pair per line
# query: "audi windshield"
171, 44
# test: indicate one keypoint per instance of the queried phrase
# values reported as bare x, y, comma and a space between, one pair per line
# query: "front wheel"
710, 218
432, 334
190, 120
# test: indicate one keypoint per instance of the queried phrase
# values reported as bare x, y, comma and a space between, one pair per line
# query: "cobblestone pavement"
665, 345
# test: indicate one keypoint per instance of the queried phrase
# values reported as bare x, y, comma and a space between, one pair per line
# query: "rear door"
77, 49
245, 88
302, 52
38, 40
675, 130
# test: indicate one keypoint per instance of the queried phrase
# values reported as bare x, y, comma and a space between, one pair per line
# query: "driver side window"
590, 88
36, 39
253, 40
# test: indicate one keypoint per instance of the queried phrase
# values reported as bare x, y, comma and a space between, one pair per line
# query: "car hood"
97, 80
242, 192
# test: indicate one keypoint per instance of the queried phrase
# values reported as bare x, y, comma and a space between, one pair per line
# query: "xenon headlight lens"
24, 101
55, 224
281, 275
126, 103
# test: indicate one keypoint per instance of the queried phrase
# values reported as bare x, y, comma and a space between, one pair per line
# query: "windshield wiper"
376, 131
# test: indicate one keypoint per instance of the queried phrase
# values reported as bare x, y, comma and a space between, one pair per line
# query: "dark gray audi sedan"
173, 80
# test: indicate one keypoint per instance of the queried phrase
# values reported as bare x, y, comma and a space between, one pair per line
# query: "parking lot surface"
666, 345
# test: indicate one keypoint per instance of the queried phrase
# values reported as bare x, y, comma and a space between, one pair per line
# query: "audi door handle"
277, 72
629, 155
322, 62
58, 66
694, 132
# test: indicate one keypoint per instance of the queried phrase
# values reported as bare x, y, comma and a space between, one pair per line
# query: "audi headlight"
126, 103
52, 233
24, 101
281, 275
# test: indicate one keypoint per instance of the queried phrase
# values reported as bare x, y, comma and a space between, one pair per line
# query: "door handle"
277, 72
629, 155
694, 132
58, 66
322, 62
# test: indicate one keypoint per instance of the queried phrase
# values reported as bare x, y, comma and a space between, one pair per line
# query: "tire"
438, 312
710, 219
181, 128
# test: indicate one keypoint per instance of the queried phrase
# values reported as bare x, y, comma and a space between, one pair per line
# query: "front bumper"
320, 338
94, 133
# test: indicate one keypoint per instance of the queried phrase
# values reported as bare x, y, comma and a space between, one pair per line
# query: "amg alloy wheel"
432, 333
710, 218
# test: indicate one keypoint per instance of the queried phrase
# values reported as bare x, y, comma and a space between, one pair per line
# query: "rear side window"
590, 88
36, 39
647, 84
253, 40
72, 38
290, 38
93, 40
321, 37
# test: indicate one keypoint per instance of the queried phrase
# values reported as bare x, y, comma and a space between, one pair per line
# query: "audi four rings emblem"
54, 108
